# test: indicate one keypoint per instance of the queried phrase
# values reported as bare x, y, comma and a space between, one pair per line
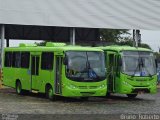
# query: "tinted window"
8, 59
35, 65
25, 57
16, 59
47, 61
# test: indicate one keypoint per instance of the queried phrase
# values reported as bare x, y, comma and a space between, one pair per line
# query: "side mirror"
156, 62
65, 61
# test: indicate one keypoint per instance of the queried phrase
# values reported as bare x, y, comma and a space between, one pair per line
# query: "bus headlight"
154, 84
72, 86
102, 86
125, 83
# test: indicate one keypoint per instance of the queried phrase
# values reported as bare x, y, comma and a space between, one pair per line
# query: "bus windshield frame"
138, 63
85, 66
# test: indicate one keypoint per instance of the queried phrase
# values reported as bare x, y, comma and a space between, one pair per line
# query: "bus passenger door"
111, 72
34, 72
58, 74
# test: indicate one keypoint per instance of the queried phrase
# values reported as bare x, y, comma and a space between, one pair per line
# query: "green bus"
56, 70
130, 70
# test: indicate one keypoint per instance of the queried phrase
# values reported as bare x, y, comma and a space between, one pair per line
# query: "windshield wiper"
138, 66
91, 72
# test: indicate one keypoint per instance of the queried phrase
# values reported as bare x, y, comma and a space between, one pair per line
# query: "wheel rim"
18, 88
50, 93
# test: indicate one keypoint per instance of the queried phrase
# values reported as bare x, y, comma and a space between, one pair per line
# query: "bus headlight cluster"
72, 86
124, 82
102, 86
153, 84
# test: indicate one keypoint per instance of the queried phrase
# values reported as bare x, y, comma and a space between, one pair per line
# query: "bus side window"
47, 60
25, 58
8, 59
16, 59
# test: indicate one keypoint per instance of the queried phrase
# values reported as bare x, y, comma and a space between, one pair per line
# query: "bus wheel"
49, 93
131, 95
19, 90
108, 94
84, 98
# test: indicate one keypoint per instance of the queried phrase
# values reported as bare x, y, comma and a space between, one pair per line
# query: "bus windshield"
138, 63
85, 66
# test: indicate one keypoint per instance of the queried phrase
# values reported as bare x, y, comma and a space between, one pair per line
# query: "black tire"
132, 95
19, 90
49, 93
108, 94
84, 98
26, 92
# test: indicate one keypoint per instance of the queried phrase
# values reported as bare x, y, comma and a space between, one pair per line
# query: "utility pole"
136, 38
2, 37
72, 36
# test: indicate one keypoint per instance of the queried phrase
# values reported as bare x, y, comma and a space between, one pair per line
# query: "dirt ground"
37, 106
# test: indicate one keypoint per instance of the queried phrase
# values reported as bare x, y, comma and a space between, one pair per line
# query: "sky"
150, 37
15, 43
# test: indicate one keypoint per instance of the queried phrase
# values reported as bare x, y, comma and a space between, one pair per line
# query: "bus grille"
87, 93
87, 87
144, 90
92, 87
141, 80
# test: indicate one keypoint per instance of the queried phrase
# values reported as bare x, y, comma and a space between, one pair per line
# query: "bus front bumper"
129, 89
74, 92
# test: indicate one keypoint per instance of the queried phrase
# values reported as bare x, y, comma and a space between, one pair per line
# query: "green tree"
129, 41
120, 37
144, 45
125, 41
113, 35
